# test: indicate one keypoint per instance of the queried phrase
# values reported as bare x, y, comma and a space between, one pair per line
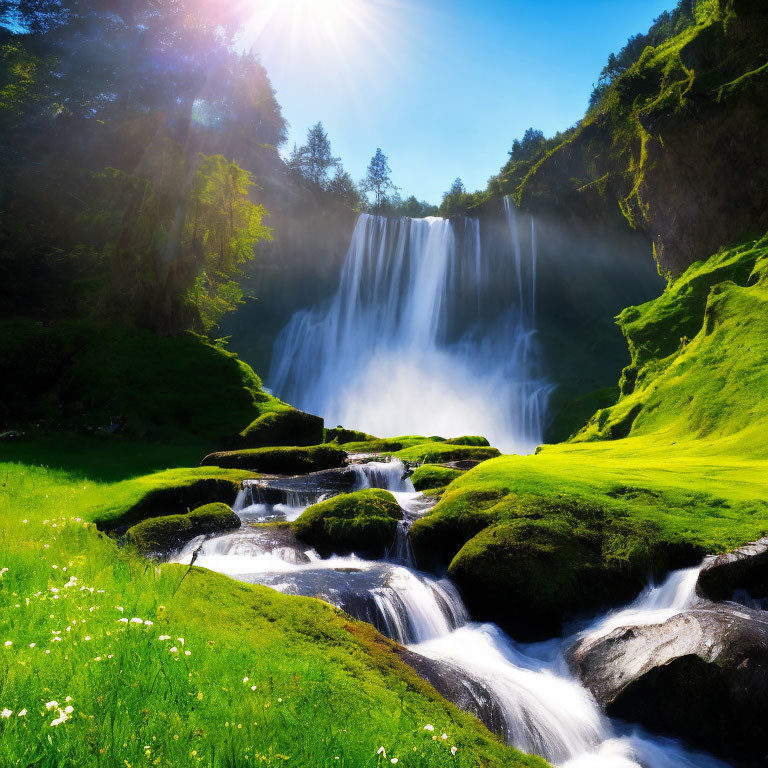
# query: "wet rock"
701, 675
746, 568
452, 684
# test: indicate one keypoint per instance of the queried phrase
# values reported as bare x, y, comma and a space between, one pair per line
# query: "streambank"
527, 692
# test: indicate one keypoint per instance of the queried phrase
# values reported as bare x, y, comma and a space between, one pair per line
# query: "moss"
89, 377
164, 534
364, 522
441, 452
389, 444
433, 476
468, 440
174, 491
342, 436
283, 427
283, 460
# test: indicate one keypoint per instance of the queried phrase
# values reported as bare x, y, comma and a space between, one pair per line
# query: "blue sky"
442, 87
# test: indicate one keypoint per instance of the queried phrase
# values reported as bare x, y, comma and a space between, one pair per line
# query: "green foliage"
284, 460
221, 229
429, 476
314, 160
364, 522
106, 153
267, 676
125, 380
169, 532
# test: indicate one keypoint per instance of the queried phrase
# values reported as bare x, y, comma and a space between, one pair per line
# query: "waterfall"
430, 331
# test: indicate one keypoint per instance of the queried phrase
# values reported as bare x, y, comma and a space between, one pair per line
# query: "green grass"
320, 685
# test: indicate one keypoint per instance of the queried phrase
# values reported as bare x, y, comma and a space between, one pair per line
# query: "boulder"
458, 688
364, 522
745, 568
702, 675
282, 460
165, 534
285, 427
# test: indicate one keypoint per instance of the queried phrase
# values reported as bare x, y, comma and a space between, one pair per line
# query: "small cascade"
260, 503
388, 475
654, 605
540, 706
432, 329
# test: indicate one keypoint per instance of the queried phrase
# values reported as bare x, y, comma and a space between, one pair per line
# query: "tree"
377, 178
456, 200
526, 148
314, 160
343, 187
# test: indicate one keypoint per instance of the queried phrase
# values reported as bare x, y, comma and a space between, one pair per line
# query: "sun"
310, 22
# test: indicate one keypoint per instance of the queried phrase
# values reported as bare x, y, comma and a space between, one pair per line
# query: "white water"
406, 345
545, 708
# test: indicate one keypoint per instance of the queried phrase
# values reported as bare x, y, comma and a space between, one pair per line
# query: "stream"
542, 707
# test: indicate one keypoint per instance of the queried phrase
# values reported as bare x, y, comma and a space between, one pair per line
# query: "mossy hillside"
429, 476
164, 534
364, 522
282, 460
690, 476
669, 142
698, 359
246, 675
283, 427
77, 375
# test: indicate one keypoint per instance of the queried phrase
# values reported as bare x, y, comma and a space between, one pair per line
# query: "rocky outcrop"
675, 146
701, 675
746, 568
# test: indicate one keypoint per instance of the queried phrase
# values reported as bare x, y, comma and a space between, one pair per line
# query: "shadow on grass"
105, 458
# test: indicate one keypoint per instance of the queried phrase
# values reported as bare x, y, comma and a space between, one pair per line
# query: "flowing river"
542, 707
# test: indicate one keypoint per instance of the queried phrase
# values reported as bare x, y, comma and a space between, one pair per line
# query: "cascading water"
411, 343
544, 708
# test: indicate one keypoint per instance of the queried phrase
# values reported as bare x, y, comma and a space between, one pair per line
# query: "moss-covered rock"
283, 460
434, 452
164, 534
168, 493
342, 436
364, 522
468, 440
433, 476
283, 427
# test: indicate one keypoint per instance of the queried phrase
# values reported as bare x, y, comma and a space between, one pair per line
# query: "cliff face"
677, 144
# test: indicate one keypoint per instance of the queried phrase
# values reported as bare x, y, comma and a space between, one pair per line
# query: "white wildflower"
51, 704
6, 713
429, 727
454, 750
22, 712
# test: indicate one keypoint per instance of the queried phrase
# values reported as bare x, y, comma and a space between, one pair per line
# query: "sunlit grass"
108, 659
